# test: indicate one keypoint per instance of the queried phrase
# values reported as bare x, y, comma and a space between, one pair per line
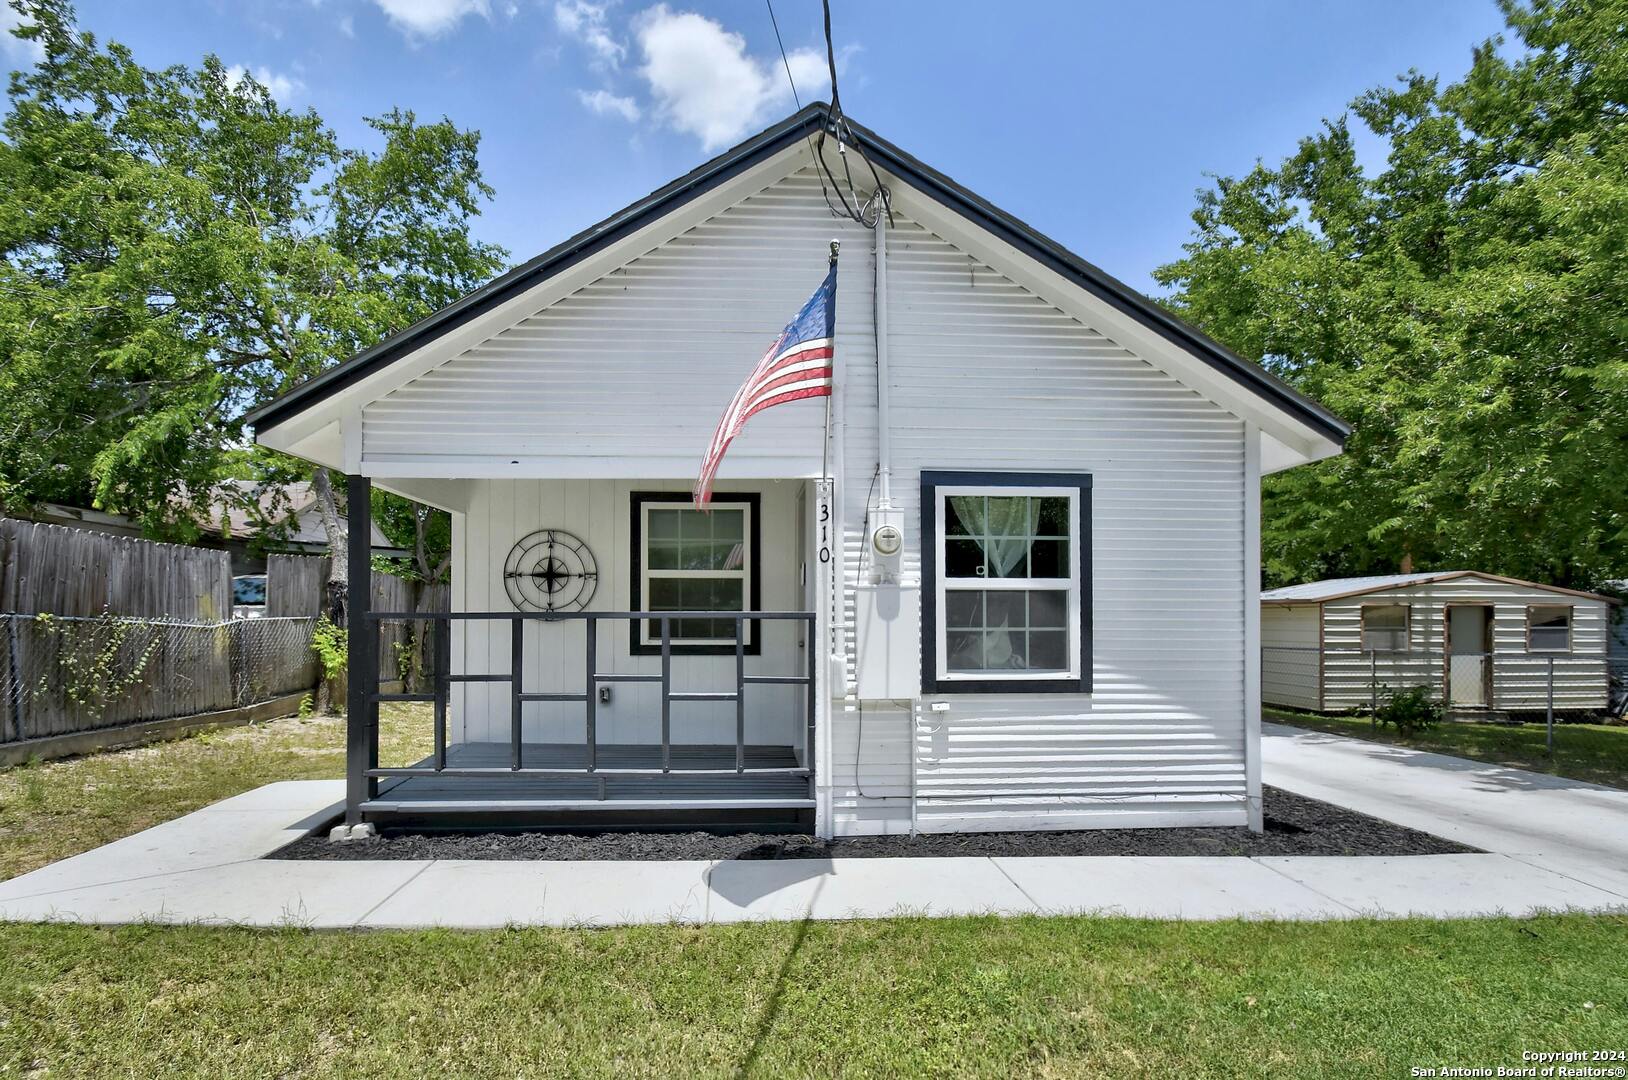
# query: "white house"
1482, 643
1025, 598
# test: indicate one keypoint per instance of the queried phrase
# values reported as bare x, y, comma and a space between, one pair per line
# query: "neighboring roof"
293, 504
1315, 592
731, 163
230, 515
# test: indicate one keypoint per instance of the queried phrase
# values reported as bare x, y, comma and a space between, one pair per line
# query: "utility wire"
842, 197
776, 24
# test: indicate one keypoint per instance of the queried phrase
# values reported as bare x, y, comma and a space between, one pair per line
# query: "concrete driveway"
1565, 826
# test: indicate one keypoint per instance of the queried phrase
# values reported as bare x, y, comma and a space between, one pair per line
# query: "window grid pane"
1006, 536
695, 561
1006, 630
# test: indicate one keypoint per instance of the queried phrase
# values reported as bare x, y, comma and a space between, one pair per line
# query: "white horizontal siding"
1519, 679
986, 376
638, 365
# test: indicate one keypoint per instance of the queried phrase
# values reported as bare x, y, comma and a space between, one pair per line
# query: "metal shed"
1487, 645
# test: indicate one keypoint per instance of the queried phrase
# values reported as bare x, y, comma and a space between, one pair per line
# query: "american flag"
797, 366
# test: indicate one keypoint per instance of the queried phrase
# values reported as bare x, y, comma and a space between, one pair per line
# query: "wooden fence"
296, 585
101, 631
77, 573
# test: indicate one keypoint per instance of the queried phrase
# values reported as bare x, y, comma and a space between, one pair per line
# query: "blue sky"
1094, 122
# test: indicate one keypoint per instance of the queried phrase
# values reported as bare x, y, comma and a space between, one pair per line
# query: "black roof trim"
737, 160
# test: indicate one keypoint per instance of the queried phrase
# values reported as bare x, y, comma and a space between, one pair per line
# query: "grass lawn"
50, 810
1597, 753
898, 997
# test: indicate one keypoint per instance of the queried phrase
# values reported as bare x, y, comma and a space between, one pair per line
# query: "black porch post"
362, 659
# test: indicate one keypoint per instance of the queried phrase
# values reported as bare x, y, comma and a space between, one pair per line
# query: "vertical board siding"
985, 376
599, 512
48, 568
1519, 678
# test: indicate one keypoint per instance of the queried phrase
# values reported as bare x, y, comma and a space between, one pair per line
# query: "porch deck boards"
670, 791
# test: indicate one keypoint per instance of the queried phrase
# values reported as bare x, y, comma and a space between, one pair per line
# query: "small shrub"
330, 643
1409, 711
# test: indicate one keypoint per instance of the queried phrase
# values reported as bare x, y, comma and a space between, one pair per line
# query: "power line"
841, 197
776, 24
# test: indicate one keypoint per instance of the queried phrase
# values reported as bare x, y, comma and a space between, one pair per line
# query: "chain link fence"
1518, 685
62, 675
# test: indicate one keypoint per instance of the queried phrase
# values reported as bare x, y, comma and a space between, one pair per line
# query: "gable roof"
766, 144
1315, 592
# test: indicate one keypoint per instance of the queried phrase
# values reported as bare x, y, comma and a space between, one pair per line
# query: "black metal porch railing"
443, 679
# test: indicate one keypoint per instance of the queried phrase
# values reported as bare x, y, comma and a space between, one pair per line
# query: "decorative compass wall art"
550, 570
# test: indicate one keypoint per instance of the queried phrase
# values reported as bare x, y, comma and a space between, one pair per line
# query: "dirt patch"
1295, 825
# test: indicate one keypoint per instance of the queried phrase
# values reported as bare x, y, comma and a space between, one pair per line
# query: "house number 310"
825, 530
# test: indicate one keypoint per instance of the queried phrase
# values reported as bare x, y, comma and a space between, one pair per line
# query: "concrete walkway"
1563, 826
1552, 845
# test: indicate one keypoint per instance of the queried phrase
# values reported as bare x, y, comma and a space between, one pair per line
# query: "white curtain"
1002, 526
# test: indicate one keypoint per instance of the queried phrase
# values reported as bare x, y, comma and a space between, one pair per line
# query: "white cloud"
585, 21
27, 52
704, 83
347, 26
429, 18
605, 103
284, 88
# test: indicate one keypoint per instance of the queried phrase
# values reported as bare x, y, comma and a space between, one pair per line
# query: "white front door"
1467, 655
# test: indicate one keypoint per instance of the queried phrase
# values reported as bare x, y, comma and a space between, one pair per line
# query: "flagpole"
825, 447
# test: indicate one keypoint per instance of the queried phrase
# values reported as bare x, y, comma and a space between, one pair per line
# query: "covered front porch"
562, 704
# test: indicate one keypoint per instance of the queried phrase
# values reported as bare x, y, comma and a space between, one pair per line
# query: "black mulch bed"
1294, 826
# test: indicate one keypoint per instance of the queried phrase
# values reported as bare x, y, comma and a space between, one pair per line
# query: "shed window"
686, 559
1006, 558
1548, 629
1385, 627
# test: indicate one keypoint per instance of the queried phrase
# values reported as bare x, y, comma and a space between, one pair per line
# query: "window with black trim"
1006, 582
1385, 627
684, 559
1548, 628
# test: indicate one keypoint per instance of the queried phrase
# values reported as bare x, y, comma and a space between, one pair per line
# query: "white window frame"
946, 584
646, 574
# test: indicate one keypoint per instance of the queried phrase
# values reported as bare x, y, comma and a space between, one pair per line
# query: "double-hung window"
1548, 628
686, 559
1006, 582
1385, 627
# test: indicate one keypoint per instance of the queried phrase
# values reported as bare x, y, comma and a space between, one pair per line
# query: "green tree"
1466, 308
176, 247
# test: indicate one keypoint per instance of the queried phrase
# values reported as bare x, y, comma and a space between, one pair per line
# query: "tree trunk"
328, 507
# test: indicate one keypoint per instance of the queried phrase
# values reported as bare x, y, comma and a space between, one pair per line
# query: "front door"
1469, 643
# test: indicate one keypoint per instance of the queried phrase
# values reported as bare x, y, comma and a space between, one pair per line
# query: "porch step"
681, 793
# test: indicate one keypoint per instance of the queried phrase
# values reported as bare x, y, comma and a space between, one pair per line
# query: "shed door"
1468, 646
